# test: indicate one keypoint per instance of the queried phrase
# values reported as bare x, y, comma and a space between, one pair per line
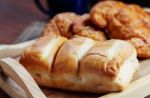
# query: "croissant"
123, 21
69, 24
81, 64
83, 26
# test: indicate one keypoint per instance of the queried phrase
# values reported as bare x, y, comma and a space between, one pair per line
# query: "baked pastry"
61, 24
81, 64
126, 22
101, 10
83, 26
65, 70
69, 25
108, 66
132, 24
50, 29
39, 57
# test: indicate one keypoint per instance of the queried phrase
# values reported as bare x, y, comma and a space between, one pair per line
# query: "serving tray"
18, 83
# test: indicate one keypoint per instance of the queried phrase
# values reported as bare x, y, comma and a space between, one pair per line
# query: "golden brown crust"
100, 11
50, 29
72, 52
39, 57
101, 62
124, 21
141, 47
100, 58
133, 24
78, 66
83, 26
65, 69
61, 24
70, 25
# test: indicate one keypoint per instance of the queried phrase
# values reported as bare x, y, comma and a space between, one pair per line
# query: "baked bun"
81, 64
68, 24
39, 58
108, 66
83, 26
61, 24
66, 66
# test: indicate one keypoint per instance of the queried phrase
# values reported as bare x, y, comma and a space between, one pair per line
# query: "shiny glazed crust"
81, 64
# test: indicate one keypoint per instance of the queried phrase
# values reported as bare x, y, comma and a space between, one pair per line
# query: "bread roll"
108, 66
65, 70
81, 64
39, 58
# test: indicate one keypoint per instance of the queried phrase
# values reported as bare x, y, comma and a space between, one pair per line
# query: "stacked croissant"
94, 52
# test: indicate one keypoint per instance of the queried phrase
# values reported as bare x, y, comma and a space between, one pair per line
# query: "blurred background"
15, 16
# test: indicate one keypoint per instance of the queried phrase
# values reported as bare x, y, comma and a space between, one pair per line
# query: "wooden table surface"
15, 16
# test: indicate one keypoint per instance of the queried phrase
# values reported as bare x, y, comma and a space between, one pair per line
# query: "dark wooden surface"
15, 16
